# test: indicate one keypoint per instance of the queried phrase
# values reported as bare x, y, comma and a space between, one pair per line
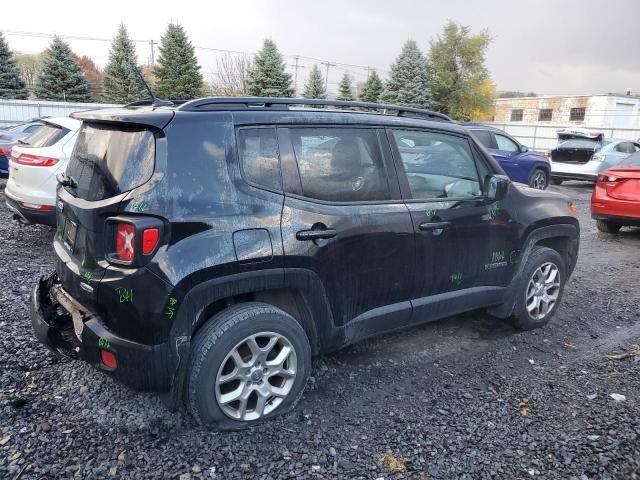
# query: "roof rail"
150, 101
255, 103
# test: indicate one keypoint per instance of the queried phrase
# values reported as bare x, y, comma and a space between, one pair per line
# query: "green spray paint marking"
498, 256
102, 343
139, 207
87, 277
456, 278
125, 295
431, 212
171, 308
493, 212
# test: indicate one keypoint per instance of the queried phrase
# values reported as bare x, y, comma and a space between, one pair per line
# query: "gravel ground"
468, 397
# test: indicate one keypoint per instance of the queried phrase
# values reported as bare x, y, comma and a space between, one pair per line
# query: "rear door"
462, 242
343, 219
108, 161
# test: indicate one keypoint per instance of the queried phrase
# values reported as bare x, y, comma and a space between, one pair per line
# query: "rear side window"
437, 165
109, 160
49, 134
259, 156
340, 164
484, 137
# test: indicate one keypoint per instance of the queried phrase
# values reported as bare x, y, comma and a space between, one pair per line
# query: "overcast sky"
543, 46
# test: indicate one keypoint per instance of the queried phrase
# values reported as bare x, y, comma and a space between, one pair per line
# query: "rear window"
631, 161
109, 160
49, 134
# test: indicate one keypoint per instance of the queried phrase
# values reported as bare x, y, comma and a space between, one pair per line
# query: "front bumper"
140, 367
31, 216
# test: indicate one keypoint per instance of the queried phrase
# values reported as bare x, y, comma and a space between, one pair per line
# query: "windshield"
109, 160
631, 161
47, 135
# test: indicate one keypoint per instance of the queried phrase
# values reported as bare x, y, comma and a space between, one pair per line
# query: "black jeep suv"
207, 250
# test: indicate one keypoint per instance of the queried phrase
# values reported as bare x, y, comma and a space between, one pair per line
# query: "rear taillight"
608, 178
6, 151
150, 238
36, 206
547, 154
108, 359
125, 242
34, 160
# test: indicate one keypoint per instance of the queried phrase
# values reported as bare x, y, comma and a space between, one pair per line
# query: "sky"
544, 46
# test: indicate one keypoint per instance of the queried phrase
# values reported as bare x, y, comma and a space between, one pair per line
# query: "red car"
616, 199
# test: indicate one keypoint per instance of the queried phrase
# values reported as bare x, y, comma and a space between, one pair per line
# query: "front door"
507, 153
343, 219
462, 242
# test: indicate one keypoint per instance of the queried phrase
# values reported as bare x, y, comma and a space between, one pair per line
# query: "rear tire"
541, 289
248, 363
539, 179
607, 226
556, 180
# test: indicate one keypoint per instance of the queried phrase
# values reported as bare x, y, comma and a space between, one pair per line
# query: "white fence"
543, 136
16, 111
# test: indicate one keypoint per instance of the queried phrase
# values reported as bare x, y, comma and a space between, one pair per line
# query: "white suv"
34, 163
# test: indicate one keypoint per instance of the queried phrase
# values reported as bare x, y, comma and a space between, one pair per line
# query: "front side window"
506, 144
437, 165
340, 164
259, 156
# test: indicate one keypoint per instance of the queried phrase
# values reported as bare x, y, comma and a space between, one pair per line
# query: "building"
593, 111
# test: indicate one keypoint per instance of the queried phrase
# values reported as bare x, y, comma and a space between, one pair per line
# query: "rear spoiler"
151, 117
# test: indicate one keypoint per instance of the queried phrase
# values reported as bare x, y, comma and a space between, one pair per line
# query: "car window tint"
31, 128
484, 137
48, 135
625, 147
437, 165
340, 164
259, 156
506, 144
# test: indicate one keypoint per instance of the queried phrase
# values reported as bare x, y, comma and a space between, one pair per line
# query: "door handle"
316, 234
434, 227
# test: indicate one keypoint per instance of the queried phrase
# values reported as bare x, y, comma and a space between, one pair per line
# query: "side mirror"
524, 148
496, 186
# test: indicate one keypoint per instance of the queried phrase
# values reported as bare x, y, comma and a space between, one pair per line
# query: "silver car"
582, 154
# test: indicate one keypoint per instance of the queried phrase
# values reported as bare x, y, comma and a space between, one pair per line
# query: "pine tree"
315, 85
409, 82
268, 77
345, 89
178, 73
61, 78
121, 82
372, 89
11, 84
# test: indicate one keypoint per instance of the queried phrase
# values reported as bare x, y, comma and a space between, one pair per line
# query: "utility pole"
153, 53
295, 76
326, 78
368, 71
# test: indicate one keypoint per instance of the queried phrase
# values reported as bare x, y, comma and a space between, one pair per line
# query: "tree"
11, 84
232, 75
345, 89
457, 62
178, 73
268, 77
372, 89
30, 65
121, 82
315, 85
409, 82
61, 78
92, 73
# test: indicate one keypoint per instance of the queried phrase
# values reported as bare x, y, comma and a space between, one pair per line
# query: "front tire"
248, 363
541, 289
539, 179
608, 227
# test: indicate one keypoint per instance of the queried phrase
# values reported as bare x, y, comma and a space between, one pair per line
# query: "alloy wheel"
539, 181
543, 290
256, 376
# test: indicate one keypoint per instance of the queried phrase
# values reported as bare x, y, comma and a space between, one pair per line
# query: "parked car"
207, 250
582, 154
520, 164
35, 161
10, 136
615, 201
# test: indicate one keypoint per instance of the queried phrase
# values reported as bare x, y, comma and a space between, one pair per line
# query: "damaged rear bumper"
66, 327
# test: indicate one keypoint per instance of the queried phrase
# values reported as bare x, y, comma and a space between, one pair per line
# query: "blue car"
516, 160
10, 136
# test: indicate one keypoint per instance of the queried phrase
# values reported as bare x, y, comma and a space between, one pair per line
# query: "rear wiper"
66, 180
22, 142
